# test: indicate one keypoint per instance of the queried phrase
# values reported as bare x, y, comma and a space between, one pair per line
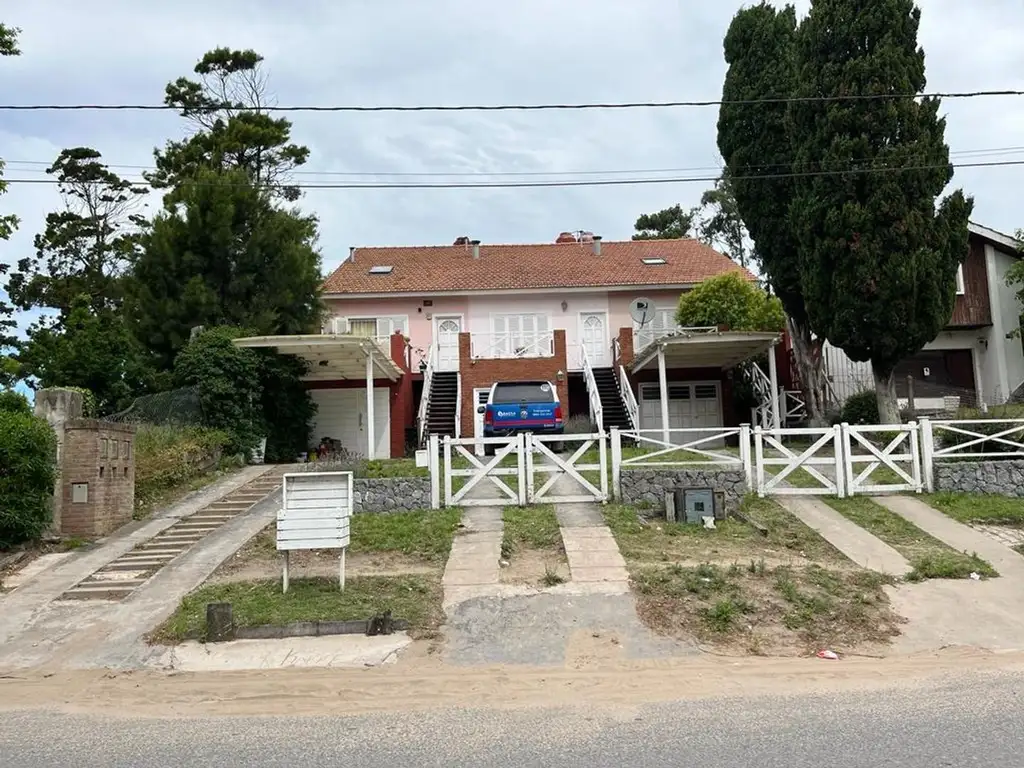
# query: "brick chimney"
566, 237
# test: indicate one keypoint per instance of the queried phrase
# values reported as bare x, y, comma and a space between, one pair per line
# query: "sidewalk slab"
960, 537
863, 548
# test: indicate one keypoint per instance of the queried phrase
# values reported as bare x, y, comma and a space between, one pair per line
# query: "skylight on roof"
381, 269
653, 260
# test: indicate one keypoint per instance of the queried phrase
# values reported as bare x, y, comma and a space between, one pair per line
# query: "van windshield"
523, 392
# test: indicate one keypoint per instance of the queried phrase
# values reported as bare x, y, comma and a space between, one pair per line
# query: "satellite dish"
642, 311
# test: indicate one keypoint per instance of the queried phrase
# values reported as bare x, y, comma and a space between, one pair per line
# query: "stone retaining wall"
390, 494
649, 486
1002, 478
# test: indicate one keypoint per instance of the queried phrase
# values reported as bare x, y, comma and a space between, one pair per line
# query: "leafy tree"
8, 223
720, 225
228, 380
88, 245
732, 301
225, 255
79, 270
667, 224
87, 349
225, 106
878, 260
754, 139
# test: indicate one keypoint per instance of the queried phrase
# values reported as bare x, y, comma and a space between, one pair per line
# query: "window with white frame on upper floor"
663, 322
960, 280
371, 327
521, 334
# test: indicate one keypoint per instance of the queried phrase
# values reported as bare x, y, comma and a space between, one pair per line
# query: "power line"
513, 107
476, 174
578, 183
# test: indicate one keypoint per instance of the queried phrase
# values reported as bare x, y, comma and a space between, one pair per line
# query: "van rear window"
523, 392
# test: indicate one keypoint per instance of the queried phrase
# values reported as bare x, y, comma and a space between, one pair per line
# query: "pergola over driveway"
708, 348
334, 357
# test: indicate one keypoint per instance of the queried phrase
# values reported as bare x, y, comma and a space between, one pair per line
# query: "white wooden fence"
842, 460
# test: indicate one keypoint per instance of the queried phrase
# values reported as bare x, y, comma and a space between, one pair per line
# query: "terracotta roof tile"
436, 269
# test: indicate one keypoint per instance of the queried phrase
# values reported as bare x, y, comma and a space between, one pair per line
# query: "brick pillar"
561, 359
402, 414
58, 407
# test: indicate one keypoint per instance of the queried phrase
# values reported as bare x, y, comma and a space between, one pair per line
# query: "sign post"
316, 512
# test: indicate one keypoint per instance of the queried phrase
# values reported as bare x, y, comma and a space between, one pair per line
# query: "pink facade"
596, 316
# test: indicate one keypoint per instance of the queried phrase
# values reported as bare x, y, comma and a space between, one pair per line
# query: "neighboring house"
475, 314
978, 357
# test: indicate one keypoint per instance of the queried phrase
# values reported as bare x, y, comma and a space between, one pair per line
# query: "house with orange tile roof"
443, 323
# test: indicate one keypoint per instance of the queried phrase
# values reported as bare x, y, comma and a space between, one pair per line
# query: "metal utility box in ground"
692, 505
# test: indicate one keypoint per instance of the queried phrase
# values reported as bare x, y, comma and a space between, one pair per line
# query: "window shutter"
339, 325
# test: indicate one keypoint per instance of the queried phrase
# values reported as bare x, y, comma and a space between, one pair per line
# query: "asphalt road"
967, 722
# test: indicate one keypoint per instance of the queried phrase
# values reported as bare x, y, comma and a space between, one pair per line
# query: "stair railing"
595, 395
458, 406
428, 377
629, 399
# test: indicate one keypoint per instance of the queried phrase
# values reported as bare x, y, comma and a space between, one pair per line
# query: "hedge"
28, 472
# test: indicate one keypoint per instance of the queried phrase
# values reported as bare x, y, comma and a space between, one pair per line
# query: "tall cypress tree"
754, 139
878, 259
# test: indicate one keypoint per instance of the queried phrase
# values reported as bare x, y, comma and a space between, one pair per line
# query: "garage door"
690, 406
341, 415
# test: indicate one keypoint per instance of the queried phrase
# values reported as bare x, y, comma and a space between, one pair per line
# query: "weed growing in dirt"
759, 607
551, 577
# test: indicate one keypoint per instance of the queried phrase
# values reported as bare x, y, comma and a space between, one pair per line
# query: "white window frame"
960, 287
393, 320
653, 331
507, 341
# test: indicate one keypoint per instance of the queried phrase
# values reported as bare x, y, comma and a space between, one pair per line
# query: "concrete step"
112, 591
203, 528
180, 538
138, 564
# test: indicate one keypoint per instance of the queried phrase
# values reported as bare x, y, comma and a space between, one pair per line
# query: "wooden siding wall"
972, 309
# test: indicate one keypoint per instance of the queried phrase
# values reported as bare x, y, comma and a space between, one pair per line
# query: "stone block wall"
390, 494
1001, 478
97, 477
649, 486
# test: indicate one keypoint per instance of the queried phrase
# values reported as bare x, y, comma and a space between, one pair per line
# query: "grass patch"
949, 565
978, 508
767, 609
1019, 549
530, 528
425, 533
929, 558
732, 540
417, 599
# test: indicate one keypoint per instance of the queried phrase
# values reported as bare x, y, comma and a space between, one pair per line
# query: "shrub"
580, 425
861, 408
995, 414
288, 409
28, 471
228, 381
14, 402
167, 457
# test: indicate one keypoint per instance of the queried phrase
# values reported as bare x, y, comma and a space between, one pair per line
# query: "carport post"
663, 390
371, 438
773, 377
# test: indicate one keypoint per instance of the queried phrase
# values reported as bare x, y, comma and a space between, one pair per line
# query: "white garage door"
341, 415
690, 406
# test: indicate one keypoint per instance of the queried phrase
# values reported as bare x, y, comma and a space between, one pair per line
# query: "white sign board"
316, 513
422, 459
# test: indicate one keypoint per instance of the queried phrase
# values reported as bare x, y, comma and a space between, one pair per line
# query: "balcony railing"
511, 346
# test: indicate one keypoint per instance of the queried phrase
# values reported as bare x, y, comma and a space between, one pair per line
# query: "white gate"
811, 465
504, 471
576, 485
893, 459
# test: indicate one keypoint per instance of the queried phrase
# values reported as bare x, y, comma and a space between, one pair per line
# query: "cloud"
449, 52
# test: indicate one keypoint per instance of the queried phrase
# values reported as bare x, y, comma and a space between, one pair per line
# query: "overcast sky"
453, 52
